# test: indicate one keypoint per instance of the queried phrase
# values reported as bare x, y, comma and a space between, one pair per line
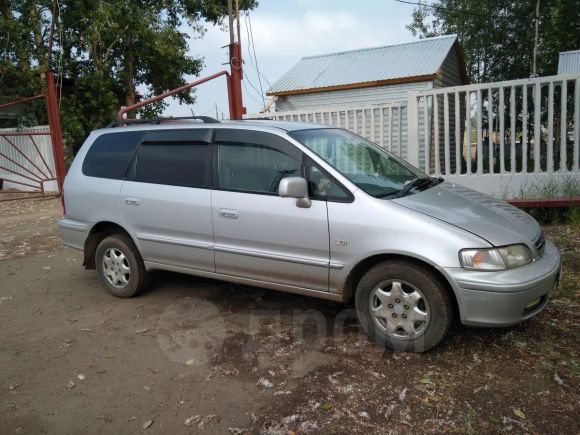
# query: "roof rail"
157, 121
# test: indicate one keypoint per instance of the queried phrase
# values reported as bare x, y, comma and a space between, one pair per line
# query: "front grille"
540, 243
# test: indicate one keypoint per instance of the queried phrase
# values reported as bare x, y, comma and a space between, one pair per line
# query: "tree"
105, 53
497, 36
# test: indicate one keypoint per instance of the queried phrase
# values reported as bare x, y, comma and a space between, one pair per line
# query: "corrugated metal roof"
569, 62
418, 58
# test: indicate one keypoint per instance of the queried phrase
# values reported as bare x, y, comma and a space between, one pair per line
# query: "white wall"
351, 97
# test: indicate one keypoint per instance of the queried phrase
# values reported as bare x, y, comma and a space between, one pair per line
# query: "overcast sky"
285, 31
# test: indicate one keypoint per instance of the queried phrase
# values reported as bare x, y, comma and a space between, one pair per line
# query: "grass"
554, 188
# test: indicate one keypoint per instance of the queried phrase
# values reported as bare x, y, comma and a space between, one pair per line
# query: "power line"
255, 89
254, 61
254, 49
443, 8
250, 33
248, 92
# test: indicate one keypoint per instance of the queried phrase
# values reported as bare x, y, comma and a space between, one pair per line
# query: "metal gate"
26, 159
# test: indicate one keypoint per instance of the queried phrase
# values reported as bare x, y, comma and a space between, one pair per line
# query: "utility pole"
534, 69
237, 108
231, 21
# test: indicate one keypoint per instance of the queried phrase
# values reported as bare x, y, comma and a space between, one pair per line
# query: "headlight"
506, 257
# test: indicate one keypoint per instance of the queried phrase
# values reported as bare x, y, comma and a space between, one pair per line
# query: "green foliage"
105, 53
498, 35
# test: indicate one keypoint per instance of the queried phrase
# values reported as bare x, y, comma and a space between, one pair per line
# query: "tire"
411, 312
115, 255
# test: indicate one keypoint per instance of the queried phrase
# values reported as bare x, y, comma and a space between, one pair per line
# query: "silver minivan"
306, 209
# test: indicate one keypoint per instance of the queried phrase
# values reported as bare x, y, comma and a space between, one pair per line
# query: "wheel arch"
97, 233
365, 264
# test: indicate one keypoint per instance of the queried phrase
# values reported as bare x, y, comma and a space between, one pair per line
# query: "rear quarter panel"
91, 199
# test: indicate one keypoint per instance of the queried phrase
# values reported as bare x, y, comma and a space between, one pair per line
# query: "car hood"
495, 221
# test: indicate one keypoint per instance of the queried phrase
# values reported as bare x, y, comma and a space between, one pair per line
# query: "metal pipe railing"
21, 101
124, 110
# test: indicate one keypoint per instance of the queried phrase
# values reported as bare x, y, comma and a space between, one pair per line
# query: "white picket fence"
497, 138
384, 124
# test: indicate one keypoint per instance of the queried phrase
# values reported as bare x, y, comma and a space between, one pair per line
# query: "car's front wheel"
403, 306
120, 266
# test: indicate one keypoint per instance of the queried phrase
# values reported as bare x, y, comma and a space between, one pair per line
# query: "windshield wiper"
416, 184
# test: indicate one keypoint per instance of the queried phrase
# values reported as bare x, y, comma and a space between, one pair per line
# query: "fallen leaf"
518, 412
141, 331
403, 394
206, 420
147, 424
190, 362
326, 406
265, 383
190, 420
558, 379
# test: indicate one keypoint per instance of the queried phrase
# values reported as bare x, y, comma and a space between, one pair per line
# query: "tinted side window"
323, 186
110, 154
254, 168
174, 164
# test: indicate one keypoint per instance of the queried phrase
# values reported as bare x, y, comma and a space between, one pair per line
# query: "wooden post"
413, 130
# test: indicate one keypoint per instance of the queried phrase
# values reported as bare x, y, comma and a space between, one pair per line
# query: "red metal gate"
30, 173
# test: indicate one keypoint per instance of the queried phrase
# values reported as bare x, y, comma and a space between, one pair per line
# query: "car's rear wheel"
403, 306
120, 266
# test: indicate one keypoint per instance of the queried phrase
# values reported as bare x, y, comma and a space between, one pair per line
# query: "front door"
258, 234
166, 200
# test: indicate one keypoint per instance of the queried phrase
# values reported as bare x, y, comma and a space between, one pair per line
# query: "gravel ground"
201, 356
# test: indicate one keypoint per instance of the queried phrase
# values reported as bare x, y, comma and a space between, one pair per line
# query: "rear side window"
175, 164
109, 156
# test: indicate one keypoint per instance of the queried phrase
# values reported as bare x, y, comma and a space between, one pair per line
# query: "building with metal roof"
371, 75
569, 62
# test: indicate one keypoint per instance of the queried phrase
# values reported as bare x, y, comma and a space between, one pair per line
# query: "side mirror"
295, 187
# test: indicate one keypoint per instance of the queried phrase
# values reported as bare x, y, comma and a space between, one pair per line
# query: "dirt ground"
200, 356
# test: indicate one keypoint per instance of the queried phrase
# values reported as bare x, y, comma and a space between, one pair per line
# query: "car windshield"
373, 169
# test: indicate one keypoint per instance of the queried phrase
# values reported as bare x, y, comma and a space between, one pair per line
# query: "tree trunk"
38, 39
128, 79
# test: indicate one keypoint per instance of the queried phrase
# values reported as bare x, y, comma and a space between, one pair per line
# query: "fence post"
55, 131
413, 129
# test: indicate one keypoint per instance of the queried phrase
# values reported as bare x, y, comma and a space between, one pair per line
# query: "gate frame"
54, 132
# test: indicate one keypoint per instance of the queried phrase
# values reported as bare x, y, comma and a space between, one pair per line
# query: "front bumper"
503, 298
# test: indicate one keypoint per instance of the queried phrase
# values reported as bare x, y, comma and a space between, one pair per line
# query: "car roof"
260, 124
283, 125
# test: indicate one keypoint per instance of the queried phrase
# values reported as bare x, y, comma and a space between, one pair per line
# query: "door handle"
132, 201
228, 213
